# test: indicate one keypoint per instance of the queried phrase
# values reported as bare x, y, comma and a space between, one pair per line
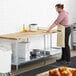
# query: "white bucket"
5, 60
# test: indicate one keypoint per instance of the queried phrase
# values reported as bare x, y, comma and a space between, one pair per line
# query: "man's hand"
51, 27
48, 31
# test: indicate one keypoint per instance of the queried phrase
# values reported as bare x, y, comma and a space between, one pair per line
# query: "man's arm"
52, 26
57, 21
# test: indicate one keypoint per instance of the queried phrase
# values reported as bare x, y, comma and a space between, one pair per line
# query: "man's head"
59, 7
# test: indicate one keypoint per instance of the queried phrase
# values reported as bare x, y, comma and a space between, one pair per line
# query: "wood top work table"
19, 36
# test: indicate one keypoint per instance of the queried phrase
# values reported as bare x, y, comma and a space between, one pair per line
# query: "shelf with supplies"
38, 56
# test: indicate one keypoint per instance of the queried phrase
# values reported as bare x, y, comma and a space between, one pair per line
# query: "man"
63, 19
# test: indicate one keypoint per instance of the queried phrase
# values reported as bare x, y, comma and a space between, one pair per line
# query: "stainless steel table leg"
44, 48
16, 55
16, 67
27, 49
44, 42
45, 45
50, 40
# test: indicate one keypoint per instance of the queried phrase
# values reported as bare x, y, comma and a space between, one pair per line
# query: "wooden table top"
22, 35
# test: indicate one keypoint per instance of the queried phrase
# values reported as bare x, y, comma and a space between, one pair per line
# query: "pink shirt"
63, 19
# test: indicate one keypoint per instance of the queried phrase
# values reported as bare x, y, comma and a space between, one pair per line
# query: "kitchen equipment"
38, 52
32, 27
73, 36
45, 53
35, 52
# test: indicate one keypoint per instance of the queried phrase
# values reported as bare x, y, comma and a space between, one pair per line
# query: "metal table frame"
44, 37
16, 51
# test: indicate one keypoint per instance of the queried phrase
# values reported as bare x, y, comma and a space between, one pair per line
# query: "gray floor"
38, 64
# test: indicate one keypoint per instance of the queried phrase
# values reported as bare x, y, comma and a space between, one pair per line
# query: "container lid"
33, 24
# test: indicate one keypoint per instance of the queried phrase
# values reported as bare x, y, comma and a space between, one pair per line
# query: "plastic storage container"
5, 60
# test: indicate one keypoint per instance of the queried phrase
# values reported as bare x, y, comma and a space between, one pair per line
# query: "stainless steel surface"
73, 35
